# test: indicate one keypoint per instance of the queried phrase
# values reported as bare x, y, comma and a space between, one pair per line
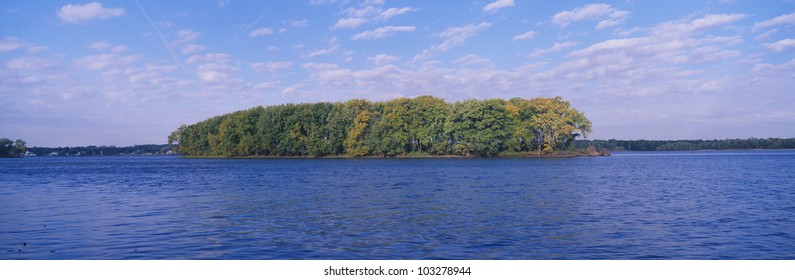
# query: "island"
402, 127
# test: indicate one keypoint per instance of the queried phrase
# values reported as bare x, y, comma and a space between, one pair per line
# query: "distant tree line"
685, 145
421, 125
10, 148
152, 149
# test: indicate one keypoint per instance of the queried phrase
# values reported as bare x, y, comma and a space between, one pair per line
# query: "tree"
354, 143
6, 146
478, 127
401, 126
522, 137
176, 137
20, 148
426, 119
389, 134
339, 123
556, 124
10, 148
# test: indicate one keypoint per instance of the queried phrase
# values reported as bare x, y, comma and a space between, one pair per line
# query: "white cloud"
9, 44
186, 36
713, 20
216, 73
766, 35
626, 32
355, 17
473, 60
210, 57
222, 3
779, 20
615, 18
100, 46
587, 12
724, 40
274, 67
382, 32
290, 90
12, 44
329, 74
496, 5
458, 35
708, 54
120, 49
322, 2
109, 63
349, 23
30, 63
392, 12
260, 32
364, 11
36, 49
557, 47
299, 23
382, 59
319, 52
164, 24
686, 28
264, 85
524, 36
334, 46
152, 75
191, 48
103, 46
781, 46
453, 36
83, 13
374, 2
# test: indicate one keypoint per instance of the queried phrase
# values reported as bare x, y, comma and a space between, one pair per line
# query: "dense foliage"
682, 145
421, 125
10, 148
102, 150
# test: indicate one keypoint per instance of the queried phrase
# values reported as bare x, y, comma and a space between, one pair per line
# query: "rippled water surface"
650, 205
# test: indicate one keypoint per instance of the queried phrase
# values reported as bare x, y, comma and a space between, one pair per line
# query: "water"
645, 205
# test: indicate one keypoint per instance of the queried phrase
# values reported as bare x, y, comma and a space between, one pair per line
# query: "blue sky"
130, 72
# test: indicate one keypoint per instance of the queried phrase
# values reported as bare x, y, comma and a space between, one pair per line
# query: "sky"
130, 72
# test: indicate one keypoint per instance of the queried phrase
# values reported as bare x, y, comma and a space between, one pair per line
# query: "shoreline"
510, 155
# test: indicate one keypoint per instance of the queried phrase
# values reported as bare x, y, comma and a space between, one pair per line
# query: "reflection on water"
685, 205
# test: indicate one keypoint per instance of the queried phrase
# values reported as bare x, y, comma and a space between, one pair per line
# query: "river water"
633, 205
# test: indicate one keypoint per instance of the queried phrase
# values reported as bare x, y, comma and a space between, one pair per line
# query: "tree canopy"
685, 145
424, 125
10, 148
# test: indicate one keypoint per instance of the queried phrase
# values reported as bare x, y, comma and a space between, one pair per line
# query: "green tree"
521, 136
20, 147
339, 123
10, 148
556, 124
176, 137
355, 141
424, 124
6, 147
389, 135
478, 127
426, 116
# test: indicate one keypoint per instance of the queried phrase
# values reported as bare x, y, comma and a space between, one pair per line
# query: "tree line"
685, 145
402, 126
150, 149
10, 148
